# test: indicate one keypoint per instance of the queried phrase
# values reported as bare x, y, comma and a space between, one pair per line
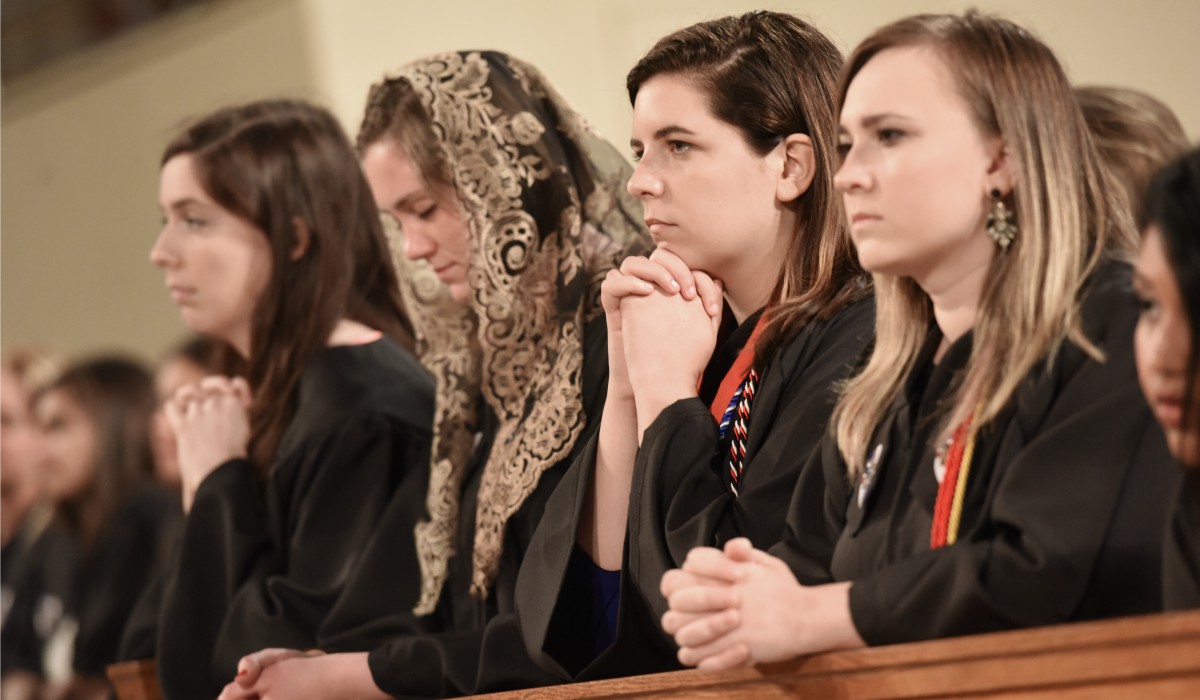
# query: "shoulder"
354, 383
848, 333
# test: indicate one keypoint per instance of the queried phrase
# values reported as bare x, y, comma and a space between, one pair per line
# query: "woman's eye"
1147, 307
428, 212
636, 156
890, 135
679, 147
843, 150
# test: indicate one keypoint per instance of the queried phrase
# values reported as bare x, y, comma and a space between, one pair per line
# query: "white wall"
80, 140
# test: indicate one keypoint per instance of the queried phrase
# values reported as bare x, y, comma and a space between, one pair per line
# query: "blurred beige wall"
79, 140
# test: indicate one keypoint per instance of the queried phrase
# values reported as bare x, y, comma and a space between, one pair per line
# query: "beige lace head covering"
548, 216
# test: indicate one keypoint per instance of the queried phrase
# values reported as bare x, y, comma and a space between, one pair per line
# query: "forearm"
602, 530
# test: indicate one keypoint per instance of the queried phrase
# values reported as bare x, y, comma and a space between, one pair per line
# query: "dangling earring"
1000, 225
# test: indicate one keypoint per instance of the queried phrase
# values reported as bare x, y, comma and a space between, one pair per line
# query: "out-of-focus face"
22, 454
707, 196
1163, 344
432, 222
916, 170
71, 444
216, 264
172, 375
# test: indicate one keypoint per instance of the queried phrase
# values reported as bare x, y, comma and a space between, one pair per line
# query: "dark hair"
117, 394
771, 75
1173, 206
278, 165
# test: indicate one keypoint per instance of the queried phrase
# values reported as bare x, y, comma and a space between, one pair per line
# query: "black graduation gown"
1181, 552
680, 497
261, 564
467, 645
38, 569
1063, 511
113, 574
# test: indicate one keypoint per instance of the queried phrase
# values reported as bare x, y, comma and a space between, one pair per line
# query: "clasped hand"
211, 424
662, 321
743, 606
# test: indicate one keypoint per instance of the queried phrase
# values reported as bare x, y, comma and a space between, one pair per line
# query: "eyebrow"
185, 202
665, 132
872, 120
408, 199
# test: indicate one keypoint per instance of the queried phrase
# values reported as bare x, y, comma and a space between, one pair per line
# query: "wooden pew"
1154, 656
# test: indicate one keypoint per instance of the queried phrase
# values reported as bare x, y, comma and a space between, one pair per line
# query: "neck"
348, 332
956, 291
752, 278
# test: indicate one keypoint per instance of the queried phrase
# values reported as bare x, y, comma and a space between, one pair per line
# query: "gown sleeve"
239, 585
1060, 475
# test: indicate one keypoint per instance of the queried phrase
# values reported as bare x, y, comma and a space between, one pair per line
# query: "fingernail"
674, 284
647, 285
691, 290
242, 672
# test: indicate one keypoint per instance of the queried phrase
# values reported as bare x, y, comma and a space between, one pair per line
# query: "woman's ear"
1000, 170
799, 168
303, 238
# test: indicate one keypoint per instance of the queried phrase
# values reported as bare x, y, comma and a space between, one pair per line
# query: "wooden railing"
1154, 656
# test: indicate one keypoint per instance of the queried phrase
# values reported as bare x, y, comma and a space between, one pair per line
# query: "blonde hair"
1017, 91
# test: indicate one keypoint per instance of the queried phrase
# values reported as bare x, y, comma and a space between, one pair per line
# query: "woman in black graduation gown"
95, 418
705, 429
1166, 280
994, 465
503, 193
271, 244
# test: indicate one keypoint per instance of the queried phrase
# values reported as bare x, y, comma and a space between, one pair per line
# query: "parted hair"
117, 396
287, 167
1016, 90
771, 75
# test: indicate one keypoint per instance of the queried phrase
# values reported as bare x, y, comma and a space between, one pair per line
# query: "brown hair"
771, 75
275, 163
1016, 90
394, 112
1135, 133
117, 394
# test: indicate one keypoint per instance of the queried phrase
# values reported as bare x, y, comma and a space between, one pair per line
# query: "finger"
673, 620
679, 270
234, 691
702, 599
735, 656
708, 628
251, 666
617, 286
693, 656
739, 549
241, 389
710, 293
654, 273
713, 563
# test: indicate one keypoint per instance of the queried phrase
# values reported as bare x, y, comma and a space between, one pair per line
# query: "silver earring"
1000, 225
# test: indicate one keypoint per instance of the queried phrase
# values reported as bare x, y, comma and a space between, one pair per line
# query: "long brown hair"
117, 396
771, 75
1017, 91
278, 165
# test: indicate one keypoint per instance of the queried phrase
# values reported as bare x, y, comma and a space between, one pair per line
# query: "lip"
180, 293
1168, 410
656, 225
442, 271
863, 218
